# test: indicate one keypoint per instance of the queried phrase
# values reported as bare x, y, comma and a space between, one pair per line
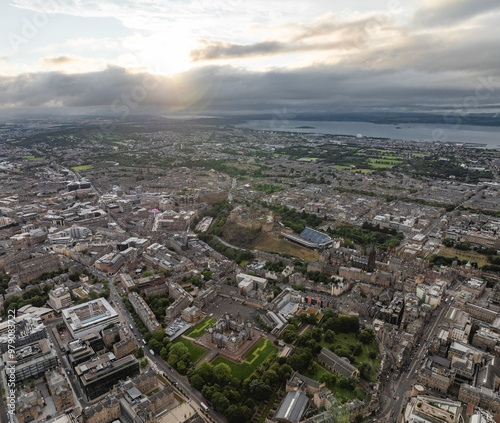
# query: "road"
398, 390
179, 380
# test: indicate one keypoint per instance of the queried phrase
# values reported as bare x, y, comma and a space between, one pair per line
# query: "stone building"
29, 405
105, 411
230, 334
60, 390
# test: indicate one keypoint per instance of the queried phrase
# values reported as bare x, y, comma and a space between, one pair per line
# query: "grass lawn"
195, 351
342, 167
363, 170
376, 162
199, 329
83, 167
33, 158
255, 357
267, 243
464, 255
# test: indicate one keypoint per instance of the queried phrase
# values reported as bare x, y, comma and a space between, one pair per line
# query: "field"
83, 167
33, 158
198, 330
383, 162
464, 255
255, 357
195, 351
266, 243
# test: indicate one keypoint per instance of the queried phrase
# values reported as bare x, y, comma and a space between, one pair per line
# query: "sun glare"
166, 53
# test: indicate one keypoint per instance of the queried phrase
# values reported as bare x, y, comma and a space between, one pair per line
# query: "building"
144, 312
110, 263
292, 408
29, 405
30, 361
340, 366
27, 329
191, 314
474, 286
79, 352
60, 298
205, 297
175, 309
310, 238
60, 390
230, 334
98, 376
426, 409
127, 343
106, 411
480, 397
248, 283
90, 317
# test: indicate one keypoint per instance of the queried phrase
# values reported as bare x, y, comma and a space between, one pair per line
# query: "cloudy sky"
253, 55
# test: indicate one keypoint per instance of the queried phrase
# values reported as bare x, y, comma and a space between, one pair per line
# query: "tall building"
60, 298
90, 317
31, 361
98, 375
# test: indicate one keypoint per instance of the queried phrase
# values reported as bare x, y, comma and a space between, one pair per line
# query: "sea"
484, 136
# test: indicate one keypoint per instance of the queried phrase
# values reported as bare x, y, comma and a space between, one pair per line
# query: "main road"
398, 390
179, 381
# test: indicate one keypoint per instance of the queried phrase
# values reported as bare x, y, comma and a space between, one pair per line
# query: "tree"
235, 414
140, 352
220, 402
164, 353
367, 336
206, 371
144, 362
259, 390
365, 371
357, 349
284, 372
222, 373
328, 378
196, 381
329, 336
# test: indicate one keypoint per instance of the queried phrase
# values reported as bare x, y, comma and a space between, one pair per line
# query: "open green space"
349, 339
471, 256
195, 351
83, 167
255, 357
33, 158
198, 330
272, 245
380, 163
342, 167
363, 170
338, 391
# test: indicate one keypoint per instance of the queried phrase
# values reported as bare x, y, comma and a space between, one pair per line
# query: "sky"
250, 56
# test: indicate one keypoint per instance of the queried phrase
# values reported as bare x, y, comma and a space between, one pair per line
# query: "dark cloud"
453, 12
59, 61
230, 89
